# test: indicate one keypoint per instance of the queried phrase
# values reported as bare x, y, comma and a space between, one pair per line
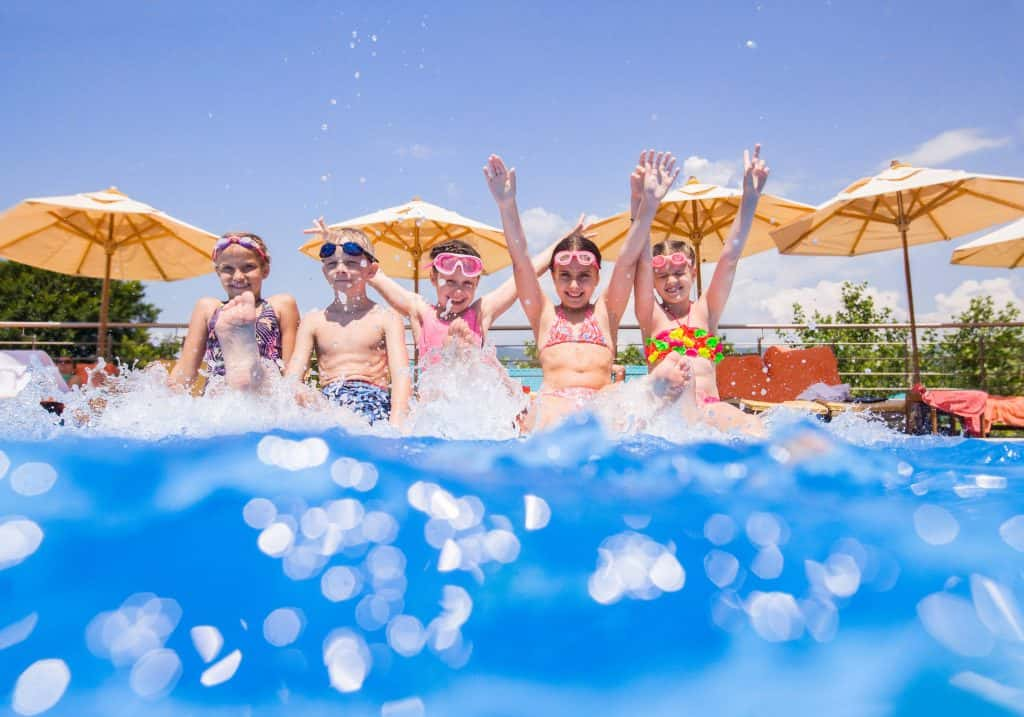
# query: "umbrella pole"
696, 250
903, 226
101, 343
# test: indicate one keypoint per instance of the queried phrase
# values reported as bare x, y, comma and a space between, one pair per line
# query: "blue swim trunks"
369, 400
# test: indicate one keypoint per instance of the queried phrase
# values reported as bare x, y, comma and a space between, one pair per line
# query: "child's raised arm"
502, 183
643, 278
398, 367
659, 172
408, 303
755, 175
497, 302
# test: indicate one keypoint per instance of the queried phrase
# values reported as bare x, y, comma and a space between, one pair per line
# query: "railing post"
982, 373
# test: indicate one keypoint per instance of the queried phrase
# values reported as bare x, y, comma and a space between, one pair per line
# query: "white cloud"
958, 300
415, 151
951, 145
720, 171
825, 297
543, 227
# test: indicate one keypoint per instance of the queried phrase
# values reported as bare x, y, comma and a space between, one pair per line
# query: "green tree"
868, 358
991, 359
631, 355
30, 294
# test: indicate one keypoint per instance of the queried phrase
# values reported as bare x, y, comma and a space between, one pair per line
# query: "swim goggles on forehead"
676, 259
350, 248
242, 240
583, 257
447, 263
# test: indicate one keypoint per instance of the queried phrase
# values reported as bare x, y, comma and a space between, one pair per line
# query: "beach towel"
1004, 411
968, 405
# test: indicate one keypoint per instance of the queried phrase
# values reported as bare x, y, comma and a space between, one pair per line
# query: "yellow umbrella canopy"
1002, 248
104, 235
901, 207
402, 235
702, 214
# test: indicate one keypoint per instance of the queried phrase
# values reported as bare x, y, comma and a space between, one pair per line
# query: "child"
357, 343
234, 336
677, 325
576, 337
455, 271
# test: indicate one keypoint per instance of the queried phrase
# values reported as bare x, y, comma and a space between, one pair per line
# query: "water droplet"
31, 479
719, 529
1012, 532
935, 525
355, 74
155, 674
207, 641
323, 127
334, 101
283, 626
221, 671
40, 686
721, 567
751, 45
952, 621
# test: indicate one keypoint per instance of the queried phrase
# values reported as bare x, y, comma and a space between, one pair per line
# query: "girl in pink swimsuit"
676, 325
577, 336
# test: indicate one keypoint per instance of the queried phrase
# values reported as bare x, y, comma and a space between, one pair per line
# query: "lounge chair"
783, 374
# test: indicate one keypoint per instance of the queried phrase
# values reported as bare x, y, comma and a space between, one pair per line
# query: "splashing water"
238, 552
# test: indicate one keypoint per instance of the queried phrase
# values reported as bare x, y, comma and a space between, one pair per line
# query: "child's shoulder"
282, 300
206, 306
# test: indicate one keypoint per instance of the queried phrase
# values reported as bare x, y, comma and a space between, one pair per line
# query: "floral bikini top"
685, 341
268, 338
561, 330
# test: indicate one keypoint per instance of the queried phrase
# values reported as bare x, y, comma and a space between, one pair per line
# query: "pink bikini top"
434, 331
561, 330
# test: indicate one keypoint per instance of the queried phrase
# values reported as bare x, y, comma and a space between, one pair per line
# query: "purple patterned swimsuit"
268, 338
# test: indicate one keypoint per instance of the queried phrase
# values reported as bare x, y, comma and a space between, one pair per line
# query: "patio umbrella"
901, 207
1002, 248
403, 234
702, 214
104, 235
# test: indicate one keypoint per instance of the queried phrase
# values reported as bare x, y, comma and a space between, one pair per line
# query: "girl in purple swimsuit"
231, 336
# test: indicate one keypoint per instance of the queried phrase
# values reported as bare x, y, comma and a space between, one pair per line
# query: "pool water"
840, 569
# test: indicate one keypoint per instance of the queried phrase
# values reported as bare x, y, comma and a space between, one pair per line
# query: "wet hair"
454, 246
672, 246
255, 239
575, 242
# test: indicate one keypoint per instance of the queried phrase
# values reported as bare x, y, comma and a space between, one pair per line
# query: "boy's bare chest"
365, 333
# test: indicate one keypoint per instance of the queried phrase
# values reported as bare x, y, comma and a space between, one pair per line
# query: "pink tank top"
434, 331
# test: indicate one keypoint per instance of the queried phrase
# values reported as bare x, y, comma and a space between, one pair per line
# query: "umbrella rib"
994, 200
945, 197
390, 229
23, 237
85, 255
149, 253
1019, 262
815, 226
864, 228
137, 232
74, 229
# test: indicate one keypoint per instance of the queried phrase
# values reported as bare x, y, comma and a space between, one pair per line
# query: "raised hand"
501, 181
582, 228
755, 172
636, 183
660, 172
319, 227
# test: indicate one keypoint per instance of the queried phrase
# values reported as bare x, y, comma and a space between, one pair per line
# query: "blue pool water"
830, 570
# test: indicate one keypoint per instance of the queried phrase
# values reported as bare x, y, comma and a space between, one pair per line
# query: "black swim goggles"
350, 248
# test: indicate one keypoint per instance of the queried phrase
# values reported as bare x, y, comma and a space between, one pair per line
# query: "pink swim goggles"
582, 256
446, 263
242, 240
676, 259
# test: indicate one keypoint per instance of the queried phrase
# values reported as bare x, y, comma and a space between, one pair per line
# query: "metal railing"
874, 362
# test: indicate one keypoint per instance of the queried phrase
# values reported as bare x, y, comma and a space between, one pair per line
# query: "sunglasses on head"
582, 256
243, 240
446, 263
676, 259
350, 248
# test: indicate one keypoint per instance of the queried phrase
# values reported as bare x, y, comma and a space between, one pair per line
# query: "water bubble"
775, 616
275, 539
207, 641
283, 626
409, 707
221, 671
450, 558
347, 658
750, 45
842, 575
719, 529
502, 545
18, 631
386, 562
721, 567
1012, 532
19, 539
952, 621
155, 674
764, 529
40, 686
380, 527
935, 525
334, 101
997, 608
355, 74
538, 512
346, 513
768, 563
258, 513
667, 574
341, 583
314, 523
821, 619
292, 455
31, 479
406, 635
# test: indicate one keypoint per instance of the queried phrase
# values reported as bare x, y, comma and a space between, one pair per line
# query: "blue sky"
263, 115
